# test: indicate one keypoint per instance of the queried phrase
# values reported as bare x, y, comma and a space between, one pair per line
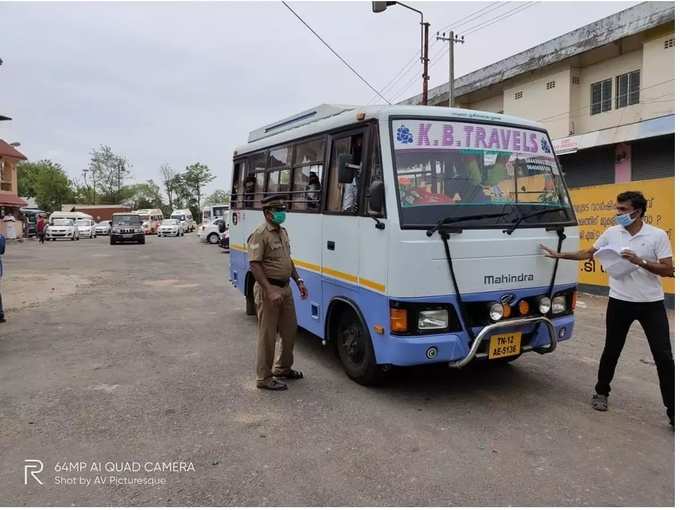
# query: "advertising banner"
420, 135
595, 209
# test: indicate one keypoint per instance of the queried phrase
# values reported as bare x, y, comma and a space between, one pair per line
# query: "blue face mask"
625, 220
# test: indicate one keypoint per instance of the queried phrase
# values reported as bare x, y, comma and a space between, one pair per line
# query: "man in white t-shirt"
637, 295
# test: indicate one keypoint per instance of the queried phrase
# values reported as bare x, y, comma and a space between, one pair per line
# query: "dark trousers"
41, 237
652, 317
2, 313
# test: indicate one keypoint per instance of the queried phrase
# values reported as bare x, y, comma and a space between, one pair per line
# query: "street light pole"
451, 40
424, 40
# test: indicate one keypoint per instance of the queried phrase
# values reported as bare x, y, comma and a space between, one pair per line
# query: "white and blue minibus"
416, 230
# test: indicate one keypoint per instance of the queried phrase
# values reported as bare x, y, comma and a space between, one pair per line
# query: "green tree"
110, 171
45, 181
181, 191
167, 176
218, 196
195, 178
26, 175
143, 195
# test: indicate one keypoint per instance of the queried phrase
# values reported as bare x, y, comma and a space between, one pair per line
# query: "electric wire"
335, 52
414, 60
486, 24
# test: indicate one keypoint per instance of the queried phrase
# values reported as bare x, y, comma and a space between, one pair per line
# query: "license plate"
504, 345
127, 235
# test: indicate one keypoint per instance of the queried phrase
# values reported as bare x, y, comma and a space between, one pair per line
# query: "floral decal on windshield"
404, 135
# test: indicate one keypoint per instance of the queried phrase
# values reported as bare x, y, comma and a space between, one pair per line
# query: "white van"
185, 218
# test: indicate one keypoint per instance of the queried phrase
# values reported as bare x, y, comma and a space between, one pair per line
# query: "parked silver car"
62, 228
103, 228
86, 228
171, 227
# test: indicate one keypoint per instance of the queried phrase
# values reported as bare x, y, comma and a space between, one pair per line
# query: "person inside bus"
249, 190
312, 191
350, 195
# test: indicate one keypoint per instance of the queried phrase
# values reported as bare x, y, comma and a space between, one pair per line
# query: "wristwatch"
299, 281
644, 262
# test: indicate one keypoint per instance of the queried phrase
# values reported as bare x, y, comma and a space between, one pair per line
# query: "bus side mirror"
376, 196
346, 170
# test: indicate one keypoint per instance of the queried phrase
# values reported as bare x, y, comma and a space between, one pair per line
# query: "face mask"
625, 220
279, 217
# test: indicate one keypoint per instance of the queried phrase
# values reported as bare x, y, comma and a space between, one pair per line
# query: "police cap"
276, 201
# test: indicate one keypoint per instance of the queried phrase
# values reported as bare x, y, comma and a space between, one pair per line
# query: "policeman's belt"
278, 283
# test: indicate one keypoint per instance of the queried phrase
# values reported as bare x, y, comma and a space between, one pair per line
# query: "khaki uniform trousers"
273, 319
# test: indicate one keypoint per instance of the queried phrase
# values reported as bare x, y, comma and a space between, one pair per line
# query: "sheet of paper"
612, 262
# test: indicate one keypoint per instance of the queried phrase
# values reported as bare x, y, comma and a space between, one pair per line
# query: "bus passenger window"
255, 180
259, 189
307, 175
249, 191
236, 190
344, 197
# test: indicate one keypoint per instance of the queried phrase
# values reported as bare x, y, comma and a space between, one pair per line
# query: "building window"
628, 89
518, 95
669, 43
575, 80
5, 176
550, 85
601, 96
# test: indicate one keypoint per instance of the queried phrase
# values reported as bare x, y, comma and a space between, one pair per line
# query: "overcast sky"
184, 82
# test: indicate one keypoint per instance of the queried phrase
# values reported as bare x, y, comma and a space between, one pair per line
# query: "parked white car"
103, 228
86, 228
211, 232
170, 227
61, 228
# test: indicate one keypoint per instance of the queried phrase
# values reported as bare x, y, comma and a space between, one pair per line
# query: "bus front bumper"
539, 334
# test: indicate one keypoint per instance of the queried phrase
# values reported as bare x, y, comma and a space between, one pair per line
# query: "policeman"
272, 267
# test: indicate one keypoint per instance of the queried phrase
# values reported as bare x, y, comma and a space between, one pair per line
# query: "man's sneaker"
599, 402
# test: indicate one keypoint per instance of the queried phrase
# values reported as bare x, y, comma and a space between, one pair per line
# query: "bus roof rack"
323, 111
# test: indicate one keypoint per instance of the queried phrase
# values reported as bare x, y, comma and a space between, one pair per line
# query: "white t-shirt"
650, 243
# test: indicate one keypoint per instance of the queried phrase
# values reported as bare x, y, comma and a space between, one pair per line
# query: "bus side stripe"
351, 278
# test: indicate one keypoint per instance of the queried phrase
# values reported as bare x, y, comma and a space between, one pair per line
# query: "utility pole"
424, 58
424, 39
452, 39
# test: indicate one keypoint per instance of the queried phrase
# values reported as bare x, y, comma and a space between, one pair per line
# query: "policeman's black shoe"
290, 374
272, 385
3, 319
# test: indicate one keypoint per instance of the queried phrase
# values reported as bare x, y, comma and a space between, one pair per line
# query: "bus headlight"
433, 319
559, 304
496, 312
544, 305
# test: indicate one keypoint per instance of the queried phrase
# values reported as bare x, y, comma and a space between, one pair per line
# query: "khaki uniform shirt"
271, 247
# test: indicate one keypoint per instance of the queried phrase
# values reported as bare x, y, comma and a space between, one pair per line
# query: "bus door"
373, 233
340, 239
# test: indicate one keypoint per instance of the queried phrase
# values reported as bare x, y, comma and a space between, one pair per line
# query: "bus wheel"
356, 350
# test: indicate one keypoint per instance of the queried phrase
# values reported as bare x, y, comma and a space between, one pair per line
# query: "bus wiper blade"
449, 220
519, 220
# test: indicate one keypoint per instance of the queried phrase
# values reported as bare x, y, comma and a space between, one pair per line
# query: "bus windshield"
454, 169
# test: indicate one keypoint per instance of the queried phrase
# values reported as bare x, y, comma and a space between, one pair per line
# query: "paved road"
144, 354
